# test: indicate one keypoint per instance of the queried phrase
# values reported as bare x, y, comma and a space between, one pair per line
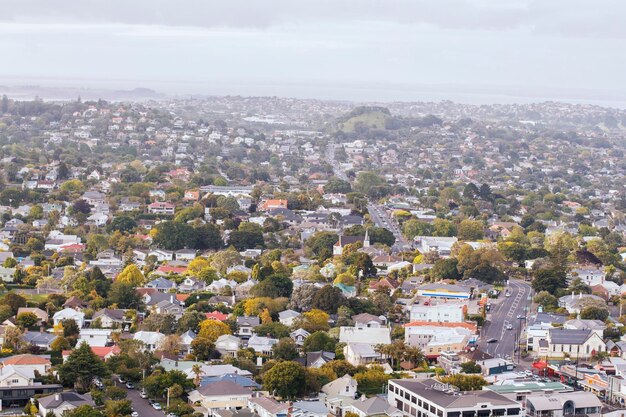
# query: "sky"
465, 50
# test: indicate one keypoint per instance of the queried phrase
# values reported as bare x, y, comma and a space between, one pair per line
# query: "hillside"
371, 116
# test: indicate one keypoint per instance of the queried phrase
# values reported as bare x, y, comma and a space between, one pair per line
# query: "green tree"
444, 228
81, 367
372, 380
548, 279
470, 230
26, 320
319, 341
412, 228
594, 313
285, 349
465, 382
124, 295
274, 329
546, 300
82, 411
122, 223
285, 379
445, 269
328, 299
471, 367
117, 408
13, 300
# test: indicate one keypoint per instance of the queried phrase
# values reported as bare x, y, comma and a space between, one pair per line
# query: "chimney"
580, 295
172, 298
57, 397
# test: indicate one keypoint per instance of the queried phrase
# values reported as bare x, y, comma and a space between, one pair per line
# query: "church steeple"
366, 239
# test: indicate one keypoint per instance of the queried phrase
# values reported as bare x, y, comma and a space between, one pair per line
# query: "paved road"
330, 158
140, 405
502, 314
381, 218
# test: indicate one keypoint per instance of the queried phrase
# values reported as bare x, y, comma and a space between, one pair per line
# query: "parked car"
134, 414
121, 380
143, 394
130, 385
156, 406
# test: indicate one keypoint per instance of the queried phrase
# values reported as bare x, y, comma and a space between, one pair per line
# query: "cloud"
556, 17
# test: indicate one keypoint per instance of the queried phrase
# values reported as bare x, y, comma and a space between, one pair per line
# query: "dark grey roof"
550, 318
55, 400
569, 336
248, 321
113, 313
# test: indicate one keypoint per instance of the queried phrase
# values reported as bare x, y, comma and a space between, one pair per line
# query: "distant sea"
69, 89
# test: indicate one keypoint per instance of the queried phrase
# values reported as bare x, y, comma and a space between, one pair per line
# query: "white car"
134, 414
509, 327
156, 406
143, 394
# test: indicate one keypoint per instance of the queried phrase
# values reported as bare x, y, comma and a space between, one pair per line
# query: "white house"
95, 337
445, 312
152, 340
287, 317
227, 345
69, 314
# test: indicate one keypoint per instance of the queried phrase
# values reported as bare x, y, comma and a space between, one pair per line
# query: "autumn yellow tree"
197, 265
212, 329
131, 275
265, 316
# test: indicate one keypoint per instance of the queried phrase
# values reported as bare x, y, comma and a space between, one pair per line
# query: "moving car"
134, 414
492, 340
509, 327
143, 394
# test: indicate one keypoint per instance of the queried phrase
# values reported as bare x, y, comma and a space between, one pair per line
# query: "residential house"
152, 340
221, 395
40, 339
287, 317
299, 335
161, 284
350, 240
7, 274
69, 314
227, 345
161, 207
61, 402
42, 316
246, 325
109, 318
261, 344
95, 337
369, 320
28, 363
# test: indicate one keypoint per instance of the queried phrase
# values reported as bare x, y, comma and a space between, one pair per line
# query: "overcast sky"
352, 49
